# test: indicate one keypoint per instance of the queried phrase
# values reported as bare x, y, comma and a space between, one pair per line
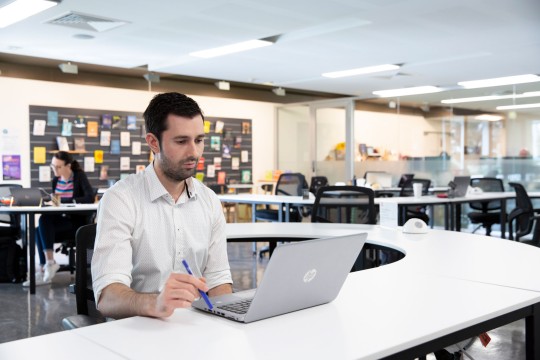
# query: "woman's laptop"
25, 197
298, 276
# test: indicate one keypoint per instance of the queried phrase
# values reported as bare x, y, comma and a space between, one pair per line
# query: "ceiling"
438, 42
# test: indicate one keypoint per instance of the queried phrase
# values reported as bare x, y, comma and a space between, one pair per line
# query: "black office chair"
489, 211
290, 184
11, 223
316, 183
67, 238
87, 313
524, 216
350, 205
404, 178
415, 212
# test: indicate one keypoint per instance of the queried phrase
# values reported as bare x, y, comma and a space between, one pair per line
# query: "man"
148, 223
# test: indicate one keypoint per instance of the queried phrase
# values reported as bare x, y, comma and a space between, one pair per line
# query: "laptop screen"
26, 197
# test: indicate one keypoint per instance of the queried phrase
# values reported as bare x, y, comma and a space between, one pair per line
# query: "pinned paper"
39, 127
210, 171
207, 126
40, 156
44, 174
92, 129
105, 138
136, 148
244, 156
125, 138
52, 118
98, 156
89, 164
125, 163
235, 163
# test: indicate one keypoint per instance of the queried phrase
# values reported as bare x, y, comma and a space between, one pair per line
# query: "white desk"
63, 345
435, 296
29, 213
401, 310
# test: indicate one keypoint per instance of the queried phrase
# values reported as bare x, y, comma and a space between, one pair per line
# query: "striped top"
64, 188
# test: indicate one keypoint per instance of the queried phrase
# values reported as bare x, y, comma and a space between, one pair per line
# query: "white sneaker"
50, 271
39, 280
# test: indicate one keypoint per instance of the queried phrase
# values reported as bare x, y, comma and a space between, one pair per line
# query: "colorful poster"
221, 177
207, 126
200, 164
235, 163
115, 147
66, 127
104, 172
45, 173
246, 176
98, 156
11, 167
106, 121
215, 143
40, 155
199, 176
92, 130
52, 118
217, 163
105, 138
219, 127
131, 122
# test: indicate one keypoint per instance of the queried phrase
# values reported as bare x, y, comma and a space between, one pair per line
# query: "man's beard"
177, 172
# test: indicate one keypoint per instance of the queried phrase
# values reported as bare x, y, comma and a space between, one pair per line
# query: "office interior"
302, 121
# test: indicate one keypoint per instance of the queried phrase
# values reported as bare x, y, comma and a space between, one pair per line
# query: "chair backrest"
268, 189
12, 220
404, 178
291, 184
317, 182
407, 188
524, 206
344, 204
84, 294
487, 184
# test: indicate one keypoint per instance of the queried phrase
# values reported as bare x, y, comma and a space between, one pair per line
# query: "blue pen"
203, 294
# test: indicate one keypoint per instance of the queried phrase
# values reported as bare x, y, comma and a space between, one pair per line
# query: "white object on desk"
417, 189
388, 214
415, 226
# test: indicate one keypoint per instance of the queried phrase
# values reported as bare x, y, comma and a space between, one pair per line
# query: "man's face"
181, 146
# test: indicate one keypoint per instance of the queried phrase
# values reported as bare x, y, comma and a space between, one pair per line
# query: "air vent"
86, 22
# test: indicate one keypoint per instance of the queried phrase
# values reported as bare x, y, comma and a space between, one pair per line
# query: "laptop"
26, 197
298, 276
461, 184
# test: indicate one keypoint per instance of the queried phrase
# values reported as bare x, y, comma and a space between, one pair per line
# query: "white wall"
18, 94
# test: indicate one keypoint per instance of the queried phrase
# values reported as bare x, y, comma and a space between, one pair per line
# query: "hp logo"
310, 275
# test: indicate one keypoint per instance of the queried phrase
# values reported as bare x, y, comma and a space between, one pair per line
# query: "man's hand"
179, 292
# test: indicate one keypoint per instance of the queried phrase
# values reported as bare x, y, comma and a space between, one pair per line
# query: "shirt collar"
157, 189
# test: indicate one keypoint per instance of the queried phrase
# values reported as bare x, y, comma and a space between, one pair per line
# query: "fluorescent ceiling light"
488, 117
223, 85
229, 49
515, 107
407, 91
361, 71
22, 9
508, 80
491, 97
279, 91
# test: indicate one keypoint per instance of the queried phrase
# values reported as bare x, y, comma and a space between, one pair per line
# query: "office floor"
23, 315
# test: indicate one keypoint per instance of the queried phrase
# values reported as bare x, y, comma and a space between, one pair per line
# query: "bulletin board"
102, 141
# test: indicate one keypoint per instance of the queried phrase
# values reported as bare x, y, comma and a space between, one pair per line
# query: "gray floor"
23, 315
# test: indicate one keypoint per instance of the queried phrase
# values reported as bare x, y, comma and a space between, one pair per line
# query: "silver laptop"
298, 276
462, 184
26, 197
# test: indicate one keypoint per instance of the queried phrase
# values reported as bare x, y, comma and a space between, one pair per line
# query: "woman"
71, 185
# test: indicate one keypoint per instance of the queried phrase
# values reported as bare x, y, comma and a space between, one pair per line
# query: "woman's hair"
68, 159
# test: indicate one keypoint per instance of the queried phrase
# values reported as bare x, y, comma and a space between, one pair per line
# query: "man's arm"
220, 290
119, 301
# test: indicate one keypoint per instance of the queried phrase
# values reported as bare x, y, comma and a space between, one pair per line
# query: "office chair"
87, 313
404, 178
524, 216
350, 205
415, 212
290, 184
317, 182
67, 238
10, 227
489, 211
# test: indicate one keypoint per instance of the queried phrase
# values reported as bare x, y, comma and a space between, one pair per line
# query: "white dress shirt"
143, 235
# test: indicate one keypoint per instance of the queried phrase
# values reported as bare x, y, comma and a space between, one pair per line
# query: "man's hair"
155, 115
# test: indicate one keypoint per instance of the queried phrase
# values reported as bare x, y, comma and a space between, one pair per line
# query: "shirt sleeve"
112, 258
217, 271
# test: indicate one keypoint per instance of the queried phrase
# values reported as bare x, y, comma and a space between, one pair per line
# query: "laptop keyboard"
239, 307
